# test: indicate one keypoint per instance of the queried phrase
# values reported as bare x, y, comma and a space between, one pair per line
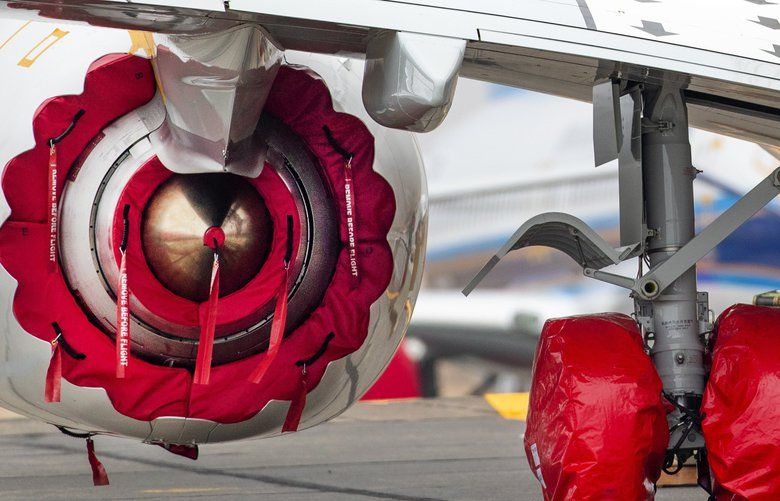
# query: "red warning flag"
123, 304
206, 343
351, 219
122, 320
596, 425
277, 329
52, 207
297, 404
54, 373
99, 475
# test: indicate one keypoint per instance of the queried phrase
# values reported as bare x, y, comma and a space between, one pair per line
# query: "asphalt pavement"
413, 450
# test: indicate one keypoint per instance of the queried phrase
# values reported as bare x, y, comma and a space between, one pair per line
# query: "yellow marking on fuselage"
41, 47
13, 35
509, 405
141, 41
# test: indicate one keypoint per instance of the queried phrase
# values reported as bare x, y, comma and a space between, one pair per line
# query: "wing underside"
731, 65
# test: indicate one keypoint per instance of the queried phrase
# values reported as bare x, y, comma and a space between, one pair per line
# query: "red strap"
52, 208
277, 329
187, 451
99, 475
349, 203
122, 320
297, 404
206, 343
54, 374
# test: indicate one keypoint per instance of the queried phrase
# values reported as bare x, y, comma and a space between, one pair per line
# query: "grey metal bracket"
610, 278
607, 126
633, 227
617, 134
563, 232
658, 279
643, 314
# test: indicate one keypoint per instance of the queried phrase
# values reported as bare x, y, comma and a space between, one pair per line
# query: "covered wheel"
596, 426
741, 406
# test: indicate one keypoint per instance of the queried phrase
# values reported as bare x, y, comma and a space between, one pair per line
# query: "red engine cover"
596, 424
114, 86
741, 404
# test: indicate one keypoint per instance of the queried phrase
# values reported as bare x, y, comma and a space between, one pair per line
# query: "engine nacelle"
333, 227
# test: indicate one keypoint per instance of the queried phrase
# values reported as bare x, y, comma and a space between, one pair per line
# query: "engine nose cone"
187, 208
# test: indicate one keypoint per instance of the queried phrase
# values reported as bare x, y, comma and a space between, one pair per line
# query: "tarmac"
409, 450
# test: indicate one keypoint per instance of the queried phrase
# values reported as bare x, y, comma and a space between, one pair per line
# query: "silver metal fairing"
410, 79
215, 87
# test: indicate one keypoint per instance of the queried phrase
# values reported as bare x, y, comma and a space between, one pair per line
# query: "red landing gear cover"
596, 425
742, 404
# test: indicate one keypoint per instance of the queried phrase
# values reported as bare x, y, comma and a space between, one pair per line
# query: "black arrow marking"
656, 29
775, 52
770, 23
586, 14
761, 2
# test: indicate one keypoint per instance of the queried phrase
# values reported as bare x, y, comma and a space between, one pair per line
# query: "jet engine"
150, 294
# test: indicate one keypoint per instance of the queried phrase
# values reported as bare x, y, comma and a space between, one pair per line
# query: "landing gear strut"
672, 319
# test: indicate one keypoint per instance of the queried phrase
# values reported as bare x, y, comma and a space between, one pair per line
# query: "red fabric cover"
596, 426
54, 209
122, 319
154, 296
187, 451
53, 389
741, 404
207, 328
277, 329
297, 404
114, 86
401, 379
99, 475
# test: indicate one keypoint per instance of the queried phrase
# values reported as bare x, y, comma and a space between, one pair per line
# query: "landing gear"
646, 128
740, 407
596, 425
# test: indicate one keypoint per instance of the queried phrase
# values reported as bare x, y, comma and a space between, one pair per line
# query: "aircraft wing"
729, 55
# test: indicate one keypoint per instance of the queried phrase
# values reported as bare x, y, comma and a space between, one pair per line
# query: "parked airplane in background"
227, 241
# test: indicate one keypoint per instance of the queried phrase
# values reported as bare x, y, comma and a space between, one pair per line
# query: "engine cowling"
335, 219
